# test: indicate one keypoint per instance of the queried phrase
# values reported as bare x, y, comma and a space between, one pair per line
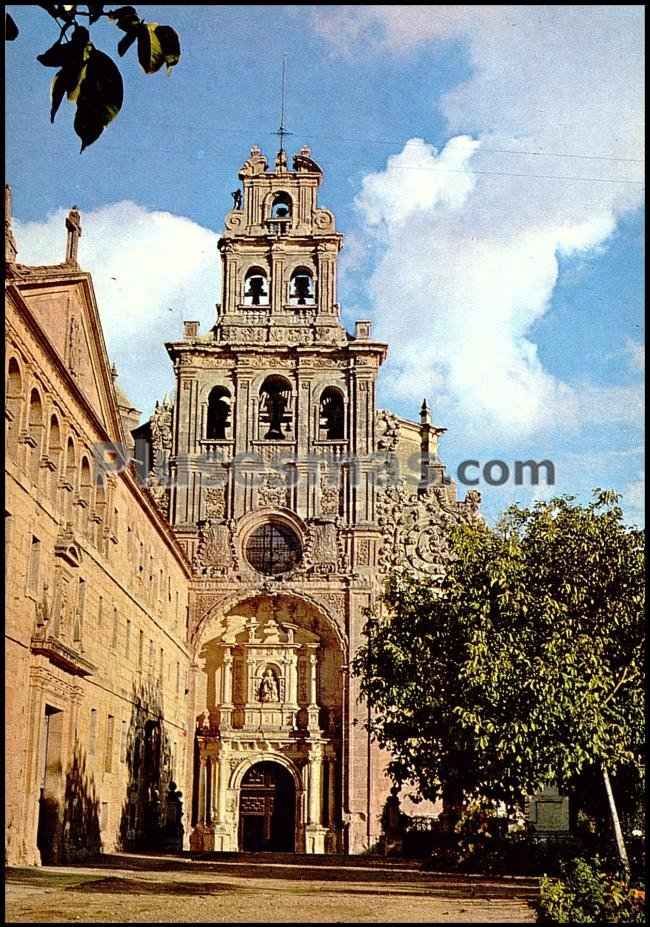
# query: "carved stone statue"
237, 199
269, 687
256, 163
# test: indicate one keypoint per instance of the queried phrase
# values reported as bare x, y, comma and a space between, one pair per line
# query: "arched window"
281, 206
85, 496
219, 404
256, 287
275, 412
302, 290
332, 415
70, 478
35, 429
13, 408
54, 453
100, 511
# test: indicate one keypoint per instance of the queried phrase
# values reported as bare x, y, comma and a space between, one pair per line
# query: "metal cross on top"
281, 159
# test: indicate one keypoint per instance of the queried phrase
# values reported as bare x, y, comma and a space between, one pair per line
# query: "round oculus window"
273, 548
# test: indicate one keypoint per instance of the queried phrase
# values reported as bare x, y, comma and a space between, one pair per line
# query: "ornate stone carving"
388, 430
243, 333
323, 220
159, 493
324, 548
215, 554
161, 431
472, 501
263, 361
415, 528
255, 164
363, 552
272, 492
215, 502
330, 496
234, 220
334, 604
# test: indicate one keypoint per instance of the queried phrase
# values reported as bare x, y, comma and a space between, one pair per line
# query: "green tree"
523, 665
88, 76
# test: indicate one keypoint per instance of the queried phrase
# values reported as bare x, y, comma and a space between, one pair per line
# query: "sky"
485, 165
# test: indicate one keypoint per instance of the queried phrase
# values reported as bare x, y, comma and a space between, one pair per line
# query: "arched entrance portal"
267, 809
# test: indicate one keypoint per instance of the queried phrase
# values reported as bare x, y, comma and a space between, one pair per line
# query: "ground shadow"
151, 817
69, 830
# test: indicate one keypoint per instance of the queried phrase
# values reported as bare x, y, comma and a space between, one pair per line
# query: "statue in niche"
269, 691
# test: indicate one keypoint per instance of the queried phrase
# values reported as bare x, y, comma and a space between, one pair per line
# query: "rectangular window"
115, 624
108, 754
127, 645
123, 743
140, 650
92, 734
34, 566
150, 662
162, 665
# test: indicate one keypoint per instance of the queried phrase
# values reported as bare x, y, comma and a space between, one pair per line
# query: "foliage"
586, 894
523, 665
88, 76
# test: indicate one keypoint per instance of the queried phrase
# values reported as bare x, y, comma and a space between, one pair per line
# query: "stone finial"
10, 242
362, 328
114, 373
73, 225
425, 414
190, 329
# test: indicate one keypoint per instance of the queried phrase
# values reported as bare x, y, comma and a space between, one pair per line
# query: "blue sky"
484, 164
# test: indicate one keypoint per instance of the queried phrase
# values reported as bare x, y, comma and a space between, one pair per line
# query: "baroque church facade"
269, 499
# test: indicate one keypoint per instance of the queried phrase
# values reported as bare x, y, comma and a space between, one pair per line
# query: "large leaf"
157, 45
125, 18
11, 29
99, 98
126, 42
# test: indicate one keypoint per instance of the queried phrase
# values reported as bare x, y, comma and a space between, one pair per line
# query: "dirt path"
129, 889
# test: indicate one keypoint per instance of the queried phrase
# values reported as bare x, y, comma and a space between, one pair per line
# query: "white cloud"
151, 270
636, 354
469, 238
633, 502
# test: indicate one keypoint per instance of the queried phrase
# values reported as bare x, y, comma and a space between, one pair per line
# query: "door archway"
267, 809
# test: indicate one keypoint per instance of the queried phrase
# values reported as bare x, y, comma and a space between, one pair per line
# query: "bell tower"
275, 405
279, 252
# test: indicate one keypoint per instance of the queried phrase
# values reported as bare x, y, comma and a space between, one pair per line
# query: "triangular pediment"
64, 307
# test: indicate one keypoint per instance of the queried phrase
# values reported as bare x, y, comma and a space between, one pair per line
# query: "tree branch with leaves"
524, 665
89, 77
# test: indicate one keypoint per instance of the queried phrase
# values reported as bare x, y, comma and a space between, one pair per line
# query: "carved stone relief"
329, 495
272, 492
215, 554
415, 527
388, 430
215, 502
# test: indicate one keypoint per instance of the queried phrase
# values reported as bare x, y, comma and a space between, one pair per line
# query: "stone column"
221, 788
331, 793
226, 688
202, 789
277, 278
